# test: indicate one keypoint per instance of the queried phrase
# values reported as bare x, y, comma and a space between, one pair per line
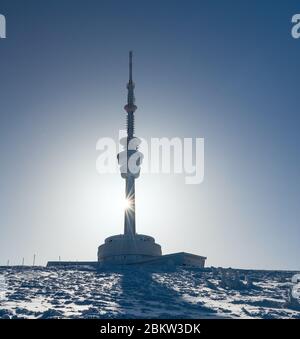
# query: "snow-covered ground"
138, 292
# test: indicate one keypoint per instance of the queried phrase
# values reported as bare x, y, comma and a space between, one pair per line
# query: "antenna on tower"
130, 66
130, 107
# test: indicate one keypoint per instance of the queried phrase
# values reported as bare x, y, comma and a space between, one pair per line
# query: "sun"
127, 204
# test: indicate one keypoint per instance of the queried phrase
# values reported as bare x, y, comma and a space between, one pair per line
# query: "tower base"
173, 260
125, 249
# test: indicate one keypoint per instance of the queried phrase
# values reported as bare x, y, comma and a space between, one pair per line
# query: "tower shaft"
129, 219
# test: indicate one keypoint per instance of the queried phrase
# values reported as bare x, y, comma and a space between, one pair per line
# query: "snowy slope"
139, 292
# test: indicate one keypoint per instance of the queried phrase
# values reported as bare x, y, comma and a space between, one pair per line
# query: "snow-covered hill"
140, 292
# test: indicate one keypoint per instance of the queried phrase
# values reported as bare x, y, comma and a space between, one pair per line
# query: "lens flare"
127, 204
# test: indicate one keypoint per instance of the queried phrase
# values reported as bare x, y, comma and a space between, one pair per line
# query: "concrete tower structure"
129, 247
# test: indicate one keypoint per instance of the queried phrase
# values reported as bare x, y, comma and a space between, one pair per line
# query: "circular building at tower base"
124, 249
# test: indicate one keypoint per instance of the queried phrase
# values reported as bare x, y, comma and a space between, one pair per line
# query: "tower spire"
130, 66
130, 107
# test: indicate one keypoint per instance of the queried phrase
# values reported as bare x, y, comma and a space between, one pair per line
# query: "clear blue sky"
227, 71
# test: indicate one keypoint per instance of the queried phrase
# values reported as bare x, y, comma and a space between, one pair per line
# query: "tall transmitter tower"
129, 247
